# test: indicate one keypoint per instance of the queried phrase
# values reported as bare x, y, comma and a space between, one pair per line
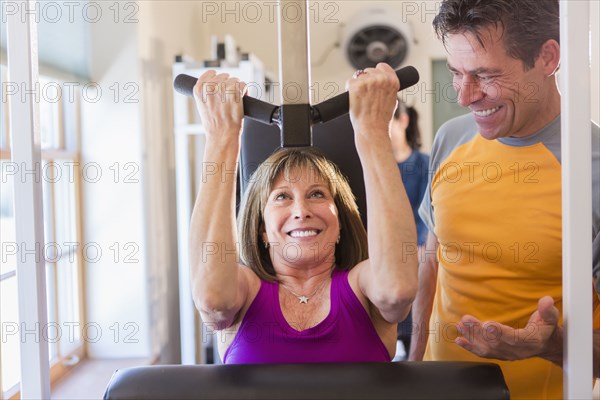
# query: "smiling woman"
282, 181
292, 283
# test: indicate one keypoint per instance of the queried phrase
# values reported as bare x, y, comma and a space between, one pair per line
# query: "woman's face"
301, 220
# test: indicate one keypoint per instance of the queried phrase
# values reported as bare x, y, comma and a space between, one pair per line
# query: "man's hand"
541, 337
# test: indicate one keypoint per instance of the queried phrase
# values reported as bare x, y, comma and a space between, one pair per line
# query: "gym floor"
89, 379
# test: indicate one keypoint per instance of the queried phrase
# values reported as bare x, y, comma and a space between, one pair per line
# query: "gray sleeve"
425, 209
451, 134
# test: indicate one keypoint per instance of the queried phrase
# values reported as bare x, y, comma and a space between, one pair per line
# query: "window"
62, 250
9, 313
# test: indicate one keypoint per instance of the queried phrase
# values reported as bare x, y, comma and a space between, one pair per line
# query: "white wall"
113, 213
137, 210
166, 28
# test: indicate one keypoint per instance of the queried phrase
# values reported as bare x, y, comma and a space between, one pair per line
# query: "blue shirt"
414, 172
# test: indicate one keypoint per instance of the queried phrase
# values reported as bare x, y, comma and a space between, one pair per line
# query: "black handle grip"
340, 104
184, 84
255, 109
264, 112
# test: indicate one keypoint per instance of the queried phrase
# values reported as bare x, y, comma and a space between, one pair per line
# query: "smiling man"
493, 204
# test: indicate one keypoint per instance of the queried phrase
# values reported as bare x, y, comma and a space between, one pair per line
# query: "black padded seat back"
404, 380
334, 138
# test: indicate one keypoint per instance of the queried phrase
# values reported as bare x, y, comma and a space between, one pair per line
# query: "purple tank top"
345, 335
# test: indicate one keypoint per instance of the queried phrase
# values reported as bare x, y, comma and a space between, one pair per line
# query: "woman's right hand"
219, 102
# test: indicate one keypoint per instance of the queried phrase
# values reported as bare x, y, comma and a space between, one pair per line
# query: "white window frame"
62, 361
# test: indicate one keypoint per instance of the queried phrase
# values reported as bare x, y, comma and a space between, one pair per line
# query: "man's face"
505, 97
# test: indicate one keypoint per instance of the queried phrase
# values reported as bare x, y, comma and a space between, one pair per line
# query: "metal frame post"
26, 155
576, 198
294, 73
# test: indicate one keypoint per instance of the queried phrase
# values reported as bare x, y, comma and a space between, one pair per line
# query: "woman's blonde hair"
352, 247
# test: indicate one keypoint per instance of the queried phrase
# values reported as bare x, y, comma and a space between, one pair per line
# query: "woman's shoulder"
253, 280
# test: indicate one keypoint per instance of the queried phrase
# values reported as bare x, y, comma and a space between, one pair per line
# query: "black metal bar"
340, 104
256, 109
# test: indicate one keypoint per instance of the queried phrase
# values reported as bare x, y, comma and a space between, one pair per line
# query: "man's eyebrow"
477, 71
450, 67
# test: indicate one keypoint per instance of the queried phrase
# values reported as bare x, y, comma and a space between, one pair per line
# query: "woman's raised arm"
219, 283
389, 277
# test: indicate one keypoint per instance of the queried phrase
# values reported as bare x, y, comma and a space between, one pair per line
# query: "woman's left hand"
373, 98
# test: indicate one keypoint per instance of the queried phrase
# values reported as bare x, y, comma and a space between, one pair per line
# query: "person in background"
414, 166
493, 203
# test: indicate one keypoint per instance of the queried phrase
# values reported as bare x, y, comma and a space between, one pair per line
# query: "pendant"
303, 299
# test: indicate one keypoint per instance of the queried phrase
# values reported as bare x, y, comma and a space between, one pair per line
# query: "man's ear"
549, 57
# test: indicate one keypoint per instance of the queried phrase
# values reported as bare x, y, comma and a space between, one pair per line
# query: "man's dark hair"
526, 24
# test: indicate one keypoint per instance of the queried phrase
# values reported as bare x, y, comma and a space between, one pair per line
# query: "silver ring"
358, 73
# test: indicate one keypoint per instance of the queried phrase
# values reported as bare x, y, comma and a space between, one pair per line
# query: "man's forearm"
421, 312
423, 304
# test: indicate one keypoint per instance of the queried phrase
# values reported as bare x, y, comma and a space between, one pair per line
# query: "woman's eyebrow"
318, 184
314, 185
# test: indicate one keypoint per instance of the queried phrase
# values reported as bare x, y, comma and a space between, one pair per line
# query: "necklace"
302, 298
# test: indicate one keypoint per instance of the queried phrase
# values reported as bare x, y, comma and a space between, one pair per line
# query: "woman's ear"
263, 233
